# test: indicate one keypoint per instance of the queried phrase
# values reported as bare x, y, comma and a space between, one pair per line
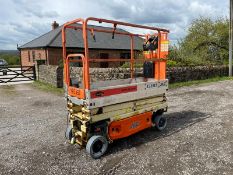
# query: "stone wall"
101, 74
51, 74
183, 74
54, 74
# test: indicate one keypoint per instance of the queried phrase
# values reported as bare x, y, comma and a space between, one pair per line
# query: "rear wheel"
96, 146
159, 122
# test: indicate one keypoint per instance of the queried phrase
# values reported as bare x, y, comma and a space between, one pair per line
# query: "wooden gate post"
34, 72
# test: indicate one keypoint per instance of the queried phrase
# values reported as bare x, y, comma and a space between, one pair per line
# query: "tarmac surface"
197, 140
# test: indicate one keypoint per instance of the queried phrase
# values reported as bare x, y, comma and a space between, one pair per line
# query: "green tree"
11, 59
206, 43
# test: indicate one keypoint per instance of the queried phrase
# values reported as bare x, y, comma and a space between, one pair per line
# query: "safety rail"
86, 60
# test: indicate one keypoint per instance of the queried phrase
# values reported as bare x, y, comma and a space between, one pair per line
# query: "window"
124, 56
33, 56
29, 58
39, 55
104, 56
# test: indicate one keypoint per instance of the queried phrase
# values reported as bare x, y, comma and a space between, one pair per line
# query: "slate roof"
74, 40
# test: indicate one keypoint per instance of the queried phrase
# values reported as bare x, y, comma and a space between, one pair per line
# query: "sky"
24, 20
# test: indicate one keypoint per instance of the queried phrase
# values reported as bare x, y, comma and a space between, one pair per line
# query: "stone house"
47, 48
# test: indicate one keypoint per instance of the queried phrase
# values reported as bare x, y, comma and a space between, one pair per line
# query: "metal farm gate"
17, 74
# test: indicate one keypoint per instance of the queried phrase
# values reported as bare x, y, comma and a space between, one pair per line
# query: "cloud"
24, 20
32, 28
174, 15
146, 11
33, 9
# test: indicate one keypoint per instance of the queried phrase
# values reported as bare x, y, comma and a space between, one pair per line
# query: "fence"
10, 74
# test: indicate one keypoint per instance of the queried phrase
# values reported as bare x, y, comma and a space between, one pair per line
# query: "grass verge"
198, 82
47, 87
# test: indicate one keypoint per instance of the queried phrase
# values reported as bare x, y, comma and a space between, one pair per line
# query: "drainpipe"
46, 54
230, 37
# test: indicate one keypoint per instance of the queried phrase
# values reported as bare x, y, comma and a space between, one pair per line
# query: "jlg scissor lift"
101, 112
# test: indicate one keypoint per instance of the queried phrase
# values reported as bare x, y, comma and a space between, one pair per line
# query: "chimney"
55, 25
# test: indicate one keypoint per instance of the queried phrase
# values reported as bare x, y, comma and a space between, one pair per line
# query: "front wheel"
68, 132
97, 146
159, 122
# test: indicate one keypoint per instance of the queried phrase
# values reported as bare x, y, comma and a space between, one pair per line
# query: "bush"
171, 63
136, 65
11, 59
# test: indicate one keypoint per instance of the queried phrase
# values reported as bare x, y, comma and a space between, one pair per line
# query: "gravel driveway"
198, 139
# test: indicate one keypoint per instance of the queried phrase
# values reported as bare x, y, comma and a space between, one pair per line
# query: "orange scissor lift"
101, 112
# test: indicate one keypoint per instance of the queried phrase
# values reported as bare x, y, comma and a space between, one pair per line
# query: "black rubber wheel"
97, 146
68, 133
159, 122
